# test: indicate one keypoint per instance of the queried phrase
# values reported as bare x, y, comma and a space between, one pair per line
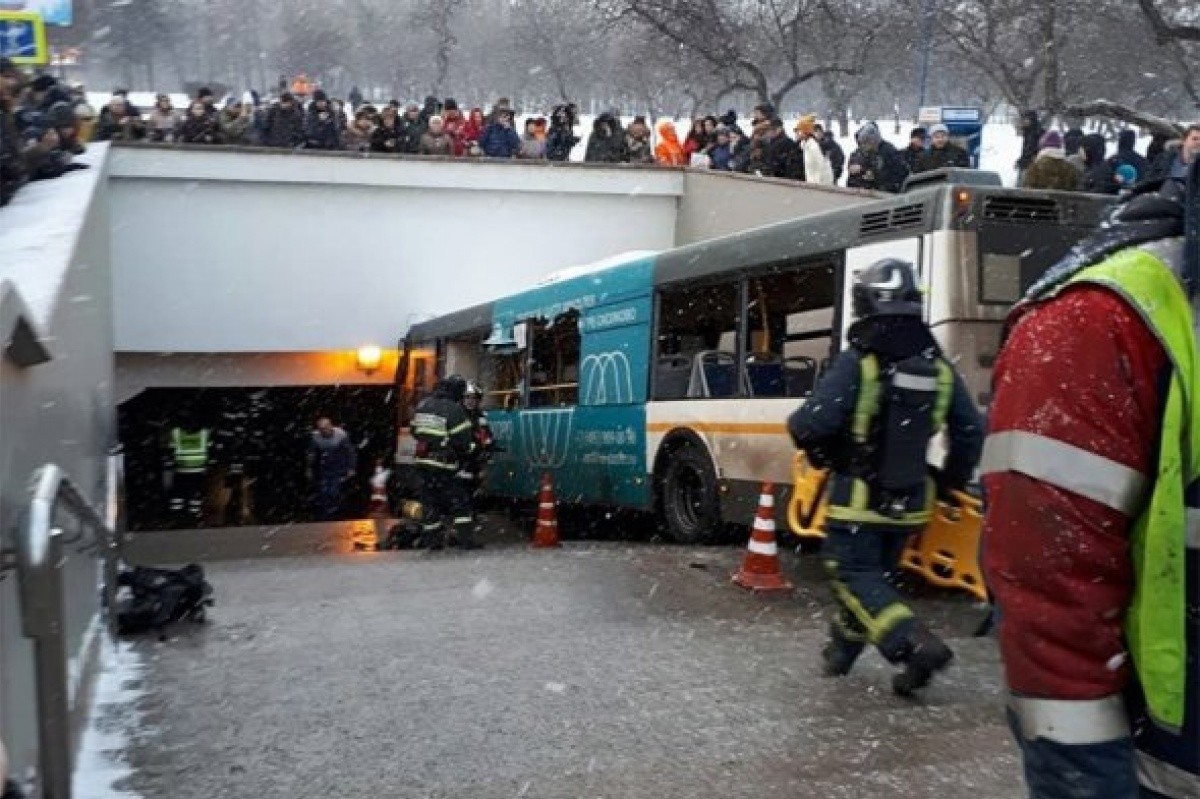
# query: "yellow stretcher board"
945, 553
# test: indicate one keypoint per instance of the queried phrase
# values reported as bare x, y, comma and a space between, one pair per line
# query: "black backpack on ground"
158, 597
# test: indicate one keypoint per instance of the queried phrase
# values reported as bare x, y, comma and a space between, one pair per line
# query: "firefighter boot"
925, 655
842, 649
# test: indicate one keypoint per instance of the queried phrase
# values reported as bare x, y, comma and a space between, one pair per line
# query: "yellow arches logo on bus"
606, 378
546, 436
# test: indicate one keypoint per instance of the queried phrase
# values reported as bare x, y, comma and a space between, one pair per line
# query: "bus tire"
689, 500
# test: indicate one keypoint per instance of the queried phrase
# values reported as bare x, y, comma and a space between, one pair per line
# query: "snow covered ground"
111, 725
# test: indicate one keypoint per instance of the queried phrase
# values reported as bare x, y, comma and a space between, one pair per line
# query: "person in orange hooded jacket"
668, 151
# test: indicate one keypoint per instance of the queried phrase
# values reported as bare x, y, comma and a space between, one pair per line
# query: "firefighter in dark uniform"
481, 434
445, 442
870, 420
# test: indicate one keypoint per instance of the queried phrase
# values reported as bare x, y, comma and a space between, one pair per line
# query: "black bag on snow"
158, 597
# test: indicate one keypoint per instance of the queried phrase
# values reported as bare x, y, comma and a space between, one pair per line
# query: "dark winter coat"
411, 133
882, 169
720, 157
836, 155
782, 158
606, 145
500, 141
321, 130
12, 168
912, 156
739, 156
822, 424
941, 158
1127, 155
1052, 171
1098, 175
561, 138
1168, 163
1031, 136
199, 130
283, 127
388, 139
128, 128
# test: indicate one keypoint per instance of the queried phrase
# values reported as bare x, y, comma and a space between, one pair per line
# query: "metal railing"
42, 549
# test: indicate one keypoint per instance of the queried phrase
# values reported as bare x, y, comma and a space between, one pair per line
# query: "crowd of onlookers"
1078, 161
46, 123
40, 128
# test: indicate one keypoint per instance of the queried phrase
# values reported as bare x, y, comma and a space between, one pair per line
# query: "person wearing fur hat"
816, 166
1051, 170
942, 153
436, 141
606, 145
876, 165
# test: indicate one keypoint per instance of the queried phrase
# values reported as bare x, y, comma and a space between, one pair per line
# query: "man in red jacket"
1089, 476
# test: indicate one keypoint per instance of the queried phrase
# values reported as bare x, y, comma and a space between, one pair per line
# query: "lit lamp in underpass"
368, 358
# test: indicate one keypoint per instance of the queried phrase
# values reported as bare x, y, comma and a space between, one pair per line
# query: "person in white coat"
817, 168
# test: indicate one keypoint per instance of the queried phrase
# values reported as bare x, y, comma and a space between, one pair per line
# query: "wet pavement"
598, 670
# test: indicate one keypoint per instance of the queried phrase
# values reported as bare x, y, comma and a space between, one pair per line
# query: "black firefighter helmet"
887, 287
453, 387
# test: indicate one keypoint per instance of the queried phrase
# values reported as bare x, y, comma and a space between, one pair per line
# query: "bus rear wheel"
690, 505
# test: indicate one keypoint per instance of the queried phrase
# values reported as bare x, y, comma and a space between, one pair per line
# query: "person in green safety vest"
870, 420
1090, 541
189, 446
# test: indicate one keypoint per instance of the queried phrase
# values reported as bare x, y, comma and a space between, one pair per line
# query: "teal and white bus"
662, 382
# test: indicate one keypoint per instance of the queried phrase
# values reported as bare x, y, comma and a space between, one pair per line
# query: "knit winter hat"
806, 124
1051, 139
939, 128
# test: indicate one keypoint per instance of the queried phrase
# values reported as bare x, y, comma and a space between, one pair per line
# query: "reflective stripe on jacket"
191, 450
1095, 440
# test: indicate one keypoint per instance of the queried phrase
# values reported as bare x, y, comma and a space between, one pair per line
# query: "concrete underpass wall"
55, 405
267, 251
717, 204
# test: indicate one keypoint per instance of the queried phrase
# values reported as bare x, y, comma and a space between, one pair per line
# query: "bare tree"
437, 16
768, 48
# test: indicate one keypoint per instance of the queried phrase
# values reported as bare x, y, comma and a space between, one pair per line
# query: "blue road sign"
23, 37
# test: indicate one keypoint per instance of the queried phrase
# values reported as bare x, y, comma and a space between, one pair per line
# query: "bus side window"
790, 319
697, 342
554, 362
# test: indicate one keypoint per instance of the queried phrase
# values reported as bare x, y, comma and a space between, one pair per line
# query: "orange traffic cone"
760, 570
545, 534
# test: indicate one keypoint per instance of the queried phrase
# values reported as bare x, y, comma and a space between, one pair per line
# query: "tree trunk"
1050, 76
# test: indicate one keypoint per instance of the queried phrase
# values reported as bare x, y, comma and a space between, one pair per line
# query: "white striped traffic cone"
760, 569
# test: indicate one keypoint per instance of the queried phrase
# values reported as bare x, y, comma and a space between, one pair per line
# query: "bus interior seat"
714, 374
800, 375
671, 377
764, 374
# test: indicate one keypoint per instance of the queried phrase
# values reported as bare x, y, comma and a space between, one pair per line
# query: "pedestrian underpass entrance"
258, 438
